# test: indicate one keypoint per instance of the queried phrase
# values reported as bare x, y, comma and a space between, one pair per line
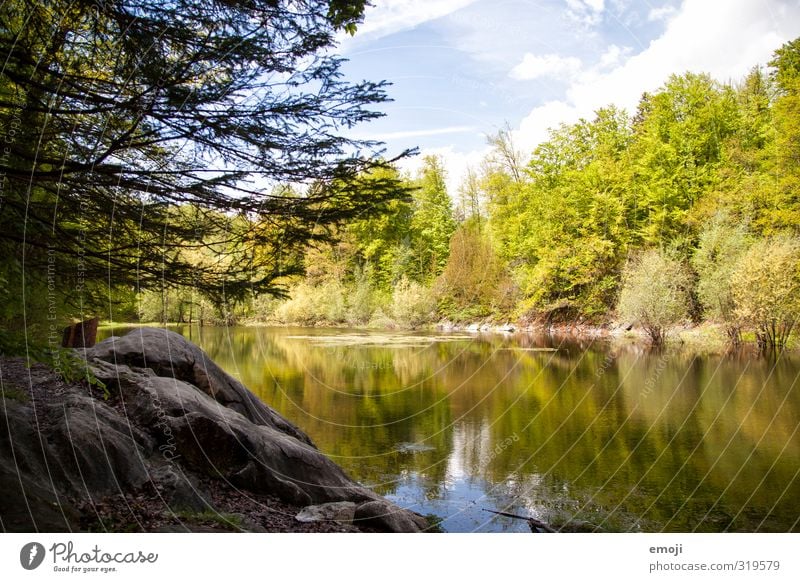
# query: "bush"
765, 287
655, 293
720, 248
310, 305
412, 304
360, 302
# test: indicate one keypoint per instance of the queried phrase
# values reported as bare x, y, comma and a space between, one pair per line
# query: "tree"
655, 293
677, 151
474, 283
469, 198
564, 228
432, 224
719, 251
114, 113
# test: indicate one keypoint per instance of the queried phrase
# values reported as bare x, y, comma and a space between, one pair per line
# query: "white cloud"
456, 164
613, 56
725, 39
534, 67
586, 12
661, 13
389, 16
533, 130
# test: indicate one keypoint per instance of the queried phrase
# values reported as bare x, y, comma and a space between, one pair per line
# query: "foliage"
314, 305
474, 283
655, 293
563, 228
412, 304
146, 140
432, 224
765, 287
720, 248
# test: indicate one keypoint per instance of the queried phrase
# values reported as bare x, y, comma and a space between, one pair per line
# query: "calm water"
617, 437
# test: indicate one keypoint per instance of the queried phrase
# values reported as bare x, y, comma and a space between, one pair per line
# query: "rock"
413, 448
232, 437
507, 328
170, 355
98, 452
30, 500
190, 425
341, 511
474, 327
178, 491
387, 517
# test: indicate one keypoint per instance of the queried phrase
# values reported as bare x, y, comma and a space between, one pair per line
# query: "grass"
11, 392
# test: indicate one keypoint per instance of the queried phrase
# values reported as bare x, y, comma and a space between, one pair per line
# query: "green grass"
11, 392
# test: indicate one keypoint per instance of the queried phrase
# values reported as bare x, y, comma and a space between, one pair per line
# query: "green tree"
432, 224
116, 112
677, 151
564, 229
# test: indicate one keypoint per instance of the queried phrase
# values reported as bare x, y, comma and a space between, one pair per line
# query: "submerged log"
80, 335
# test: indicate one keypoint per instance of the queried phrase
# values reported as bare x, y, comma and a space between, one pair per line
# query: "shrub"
360, 301
310, 305
720, 248
765, 287
412, 304
655, 293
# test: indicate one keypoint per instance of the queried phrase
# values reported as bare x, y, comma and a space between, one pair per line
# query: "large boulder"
170, 355
30, 500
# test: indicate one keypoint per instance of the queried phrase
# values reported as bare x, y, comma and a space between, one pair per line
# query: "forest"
686, 211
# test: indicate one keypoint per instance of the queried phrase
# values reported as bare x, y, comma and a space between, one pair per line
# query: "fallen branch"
536, 525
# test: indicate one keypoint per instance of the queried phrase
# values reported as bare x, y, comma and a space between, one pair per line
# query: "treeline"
688, 210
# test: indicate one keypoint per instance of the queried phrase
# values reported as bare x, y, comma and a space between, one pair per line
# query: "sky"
464, 69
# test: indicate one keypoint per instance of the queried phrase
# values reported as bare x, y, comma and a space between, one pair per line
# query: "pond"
611, 436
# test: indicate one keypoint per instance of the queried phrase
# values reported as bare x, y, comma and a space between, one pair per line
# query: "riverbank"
164, 440
704, 338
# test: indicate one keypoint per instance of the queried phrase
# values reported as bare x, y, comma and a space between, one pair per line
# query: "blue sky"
462, 69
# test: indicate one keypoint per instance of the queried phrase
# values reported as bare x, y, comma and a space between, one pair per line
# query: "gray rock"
341, 511
98, 451
31, 499
170, 355
384, 516
249, 446
178, 491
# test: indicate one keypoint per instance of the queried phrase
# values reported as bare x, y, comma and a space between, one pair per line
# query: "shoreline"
705, 337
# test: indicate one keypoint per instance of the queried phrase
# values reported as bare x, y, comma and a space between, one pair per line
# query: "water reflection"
617, 437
